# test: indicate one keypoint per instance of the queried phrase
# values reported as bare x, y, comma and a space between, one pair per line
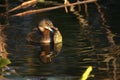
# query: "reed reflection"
114, 63
103, 20
82, 21
111, 51
5, 70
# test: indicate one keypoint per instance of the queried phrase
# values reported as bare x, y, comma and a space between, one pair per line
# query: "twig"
66, 2
51, 8
79, 7
24, 5
30, 3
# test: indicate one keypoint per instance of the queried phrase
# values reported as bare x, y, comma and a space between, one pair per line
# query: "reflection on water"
85, 43
48, 52
103, 21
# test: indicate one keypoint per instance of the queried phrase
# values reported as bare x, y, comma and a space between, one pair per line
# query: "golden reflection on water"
3, 52
103, 20
99, 9
4, 60
113, 49
83, 22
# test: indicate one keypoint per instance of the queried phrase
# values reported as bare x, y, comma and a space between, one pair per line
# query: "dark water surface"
85, 43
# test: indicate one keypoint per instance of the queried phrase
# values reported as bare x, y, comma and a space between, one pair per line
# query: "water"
85, 43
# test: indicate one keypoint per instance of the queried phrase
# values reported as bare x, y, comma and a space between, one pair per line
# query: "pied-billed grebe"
47, 33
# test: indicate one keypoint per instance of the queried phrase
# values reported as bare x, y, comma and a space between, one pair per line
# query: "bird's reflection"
48, 37
49, 51
46, 52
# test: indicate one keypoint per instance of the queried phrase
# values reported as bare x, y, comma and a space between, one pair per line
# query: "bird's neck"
47, 38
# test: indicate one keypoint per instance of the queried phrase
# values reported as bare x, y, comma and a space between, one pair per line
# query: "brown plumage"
45, 33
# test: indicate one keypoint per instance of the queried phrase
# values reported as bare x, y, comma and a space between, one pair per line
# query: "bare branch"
24, 5
51, 8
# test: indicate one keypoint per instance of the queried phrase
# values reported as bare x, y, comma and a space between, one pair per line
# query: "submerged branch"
51, 8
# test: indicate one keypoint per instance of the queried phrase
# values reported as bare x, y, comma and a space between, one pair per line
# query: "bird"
45, 33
